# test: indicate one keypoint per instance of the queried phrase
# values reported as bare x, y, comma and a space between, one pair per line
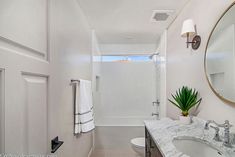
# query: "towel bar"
72, 81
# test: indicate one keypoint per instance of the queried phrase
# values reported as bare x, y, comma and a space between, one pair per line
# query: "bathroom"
134, 64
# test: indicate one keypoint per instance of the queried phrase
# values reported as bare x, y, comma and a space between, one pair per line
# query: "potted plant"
185, 98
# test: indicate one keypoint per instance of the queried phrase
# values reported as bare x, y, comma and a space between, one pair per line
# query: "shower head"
152, 55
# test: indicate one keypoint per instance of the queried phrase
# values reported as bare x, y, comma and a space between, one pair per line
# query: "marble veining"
165, 130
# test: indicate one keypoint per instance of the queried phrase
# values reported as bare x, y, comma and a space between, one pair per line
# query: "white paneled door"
34, 94
1, 112
24, 74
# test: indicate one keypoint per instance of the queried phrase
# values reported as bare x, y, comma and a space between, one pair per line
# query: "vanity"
151, 149
169, 138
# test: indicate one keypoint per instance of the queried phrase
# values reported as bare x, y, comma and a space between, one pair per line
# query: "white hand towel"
85, 98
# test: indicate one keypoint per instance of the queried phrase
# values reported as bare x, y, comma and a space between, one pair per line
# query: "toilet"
138, 145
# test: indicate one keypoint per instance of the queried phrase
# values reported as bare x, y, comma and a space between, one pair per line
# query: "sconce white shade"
188, 28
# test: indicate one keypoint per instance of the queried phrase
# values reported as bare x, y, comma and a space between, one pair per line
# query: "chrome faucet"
209, 122
217, 137
226, 127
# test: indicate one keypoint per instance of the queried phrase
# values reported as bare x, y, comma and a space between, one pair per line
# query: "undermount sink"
194, 147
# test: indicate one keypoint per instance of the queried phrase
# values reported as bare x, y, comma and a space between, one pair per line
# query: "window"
130, 58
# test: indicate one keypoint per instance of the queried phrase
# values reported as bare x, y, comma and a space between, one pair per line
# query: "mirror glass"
220, 57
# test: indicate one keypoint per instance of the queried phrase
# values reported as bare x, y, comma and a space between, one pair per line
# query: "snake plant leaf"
185, 98
174, 104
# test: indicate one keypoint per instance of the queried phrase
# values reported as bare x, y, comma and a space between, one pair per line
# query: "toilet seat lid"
138, 142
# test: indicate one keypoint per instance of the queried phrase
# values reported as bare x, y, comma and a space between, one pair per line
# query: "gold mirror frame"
217, 94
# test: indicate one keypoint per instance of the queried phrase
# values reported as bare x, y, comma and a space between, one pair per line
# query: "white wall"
96, 73
186, 67
127, 92
161, 73
70, 48
96, 76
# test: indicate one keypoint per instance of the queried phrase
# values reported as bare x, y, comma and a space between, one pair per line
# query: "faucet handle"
226, 124
217, 137
216, 128
206, 127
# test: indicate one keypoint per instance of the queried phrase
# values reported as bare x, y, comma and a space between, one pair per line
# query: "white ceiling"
128, 21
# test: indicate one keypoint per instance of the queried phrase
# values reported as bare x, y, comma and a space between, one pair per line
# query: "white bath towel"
84, 120
85, 97
77, 129
88, 126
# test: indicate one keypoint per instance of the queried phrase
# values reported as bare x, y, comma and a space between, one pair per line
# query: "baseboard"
90, 152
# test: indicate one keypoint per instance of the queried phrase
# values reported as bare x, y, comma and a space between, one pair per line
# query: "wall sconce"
188, 30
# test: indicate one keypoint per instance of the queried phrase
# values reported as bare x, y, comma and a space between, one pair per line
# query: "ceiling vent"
161, 15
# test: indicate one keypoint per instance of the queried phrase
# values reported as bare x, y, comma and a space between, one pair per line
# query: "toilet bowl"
138, 145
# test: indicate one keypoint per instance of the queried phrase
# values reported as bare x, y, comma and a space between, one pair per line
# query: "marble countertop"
165, 130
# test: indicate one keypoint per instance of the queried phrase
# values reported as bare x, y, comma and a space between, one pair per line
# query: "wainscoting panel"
36, 114
31, 19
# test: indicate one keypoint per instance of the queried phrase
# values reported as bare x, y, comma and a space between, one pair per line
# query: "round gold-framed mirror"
219, 59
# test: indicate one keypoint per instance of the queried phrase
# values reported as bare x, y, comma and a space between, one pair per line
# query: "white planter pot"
185, 120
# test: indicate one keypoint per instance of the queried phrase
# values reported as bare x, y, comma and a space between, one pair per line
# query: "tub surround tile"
165, 130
